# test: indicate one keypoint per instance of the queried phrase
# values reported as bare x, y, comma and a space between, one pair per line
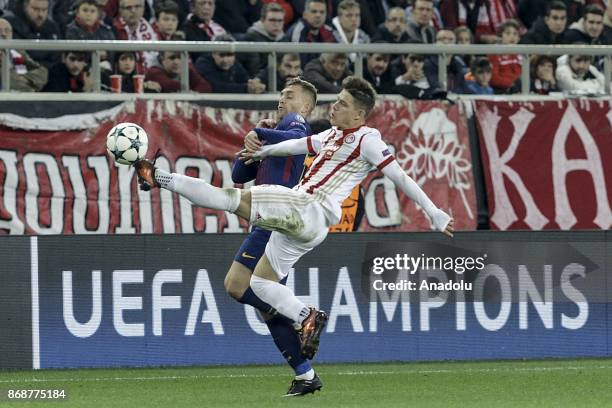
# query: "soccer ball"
127, 142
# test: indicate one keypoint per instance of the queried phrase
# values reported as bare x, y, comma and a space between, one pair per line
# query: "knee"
256, 282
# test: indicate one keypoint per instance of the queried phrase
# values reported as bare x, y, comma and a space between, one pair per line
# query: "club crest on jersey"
350, 139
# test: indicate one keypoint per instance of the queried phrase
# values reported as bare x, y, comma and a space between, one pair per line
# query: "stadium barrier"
525, 164
150, 300
272, 49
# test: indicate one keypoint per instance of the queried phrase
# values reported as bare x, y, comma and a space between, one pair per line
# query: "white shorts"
297, 222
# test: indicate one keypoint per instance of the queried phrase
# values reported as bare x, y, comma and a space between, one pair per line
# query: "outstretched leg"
198, 191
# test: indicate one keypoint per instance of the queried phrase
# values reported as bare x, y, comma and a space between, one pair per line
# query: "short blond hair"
306, 86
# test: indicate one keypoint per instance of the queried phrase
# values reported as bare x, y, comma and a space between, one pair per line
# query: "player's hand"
251, 141
442, 222
449, 230
266, 123
249, 156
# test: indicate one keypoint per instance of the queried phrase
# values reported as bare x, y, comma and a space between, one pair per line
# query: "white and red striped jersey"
344, 158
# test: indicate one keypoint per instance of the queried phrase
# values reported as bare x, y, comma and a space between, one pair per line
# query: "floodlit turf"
544, 383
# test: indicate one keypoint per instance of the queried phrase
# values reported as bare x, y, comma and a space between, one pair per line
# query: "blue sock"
250, 298
286, 340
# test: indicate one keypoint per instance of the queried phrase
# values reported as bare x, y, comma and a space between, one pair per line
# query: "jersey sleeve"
243, 173
315, 142
273, 136
292, 127
376, 152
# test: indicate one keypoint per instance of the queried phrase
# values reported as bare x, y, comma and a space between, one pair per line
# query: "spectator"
409, 70
393, 30
70, 75
25, 74
589, 29
464, 36
125, 65
531, 10
268, 29
548, 30
311, 28
88, 24
455, 67
130, 25
166, 19
59, 11
31, 22
506, 68
289, 66
236, 16
478, 79
543, 79
436, 19
225, 74
474, 14
167, 74
327, 72
419, 26
378, 72
346, 26
576, 74
287, 8
200, 25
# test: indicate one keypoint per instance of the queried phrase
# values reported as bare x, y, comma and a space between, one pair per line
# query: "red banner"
547, 165
62, 182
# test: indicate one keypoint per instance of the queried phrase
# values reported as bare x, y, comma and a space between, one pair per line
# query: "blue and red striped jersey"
284, 171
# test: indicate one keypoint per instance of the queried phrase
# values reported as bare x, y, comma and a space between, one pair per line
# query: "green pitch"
543, 383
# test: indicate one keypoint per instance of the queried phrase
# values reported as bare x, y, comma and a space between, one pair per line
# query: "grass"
541, 383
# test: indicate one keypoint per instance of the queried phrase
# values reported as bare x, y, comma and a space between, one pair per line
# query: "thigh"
278, 208
283, 251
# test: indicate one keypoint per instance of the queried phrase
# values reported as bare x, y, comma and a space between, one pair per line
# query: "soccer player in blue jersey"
297, 100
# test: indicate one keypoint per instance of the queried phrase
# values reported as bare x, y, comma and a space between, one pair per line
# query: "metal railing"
272, 49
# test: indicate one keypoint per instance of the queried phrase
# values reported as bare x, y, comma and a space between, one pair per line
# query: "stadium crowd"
342, 21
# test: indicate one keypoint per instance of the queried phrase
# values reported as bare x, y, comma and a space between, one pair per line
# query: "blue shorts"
253, 247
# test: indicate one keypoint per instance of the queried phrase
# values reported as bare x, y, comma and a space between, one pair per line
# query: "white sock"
199, 192
308, 375
280, 298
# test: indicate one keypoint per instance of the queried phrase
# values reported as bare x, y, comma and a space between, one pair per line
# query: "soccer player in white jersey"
300, 217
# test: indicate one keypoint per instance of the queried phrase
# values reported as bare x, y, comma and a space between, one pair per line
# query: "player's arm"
274, 136
292, 147
377, 153
243, 173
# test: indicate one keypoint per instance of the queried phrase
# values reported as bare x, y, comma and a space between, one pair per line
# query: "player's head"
354, 103
297, 96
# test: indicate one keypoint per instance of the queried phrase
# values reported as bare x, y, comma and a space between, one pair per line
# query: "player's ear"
361, 113
307, 108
